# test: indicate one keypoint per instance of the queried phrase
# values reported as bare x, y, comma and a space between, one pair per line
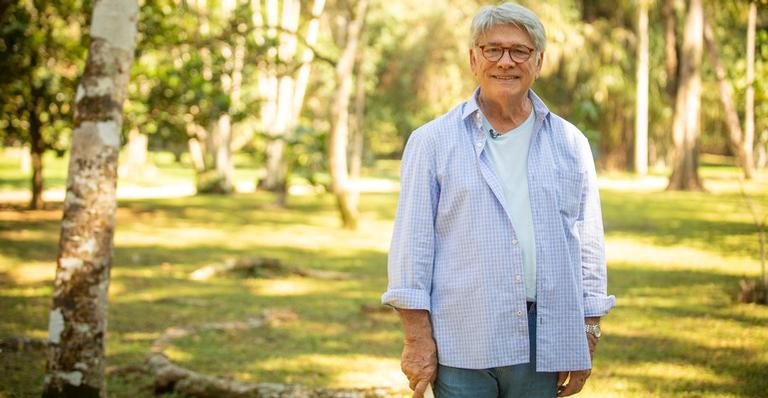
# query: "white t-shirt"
508, 154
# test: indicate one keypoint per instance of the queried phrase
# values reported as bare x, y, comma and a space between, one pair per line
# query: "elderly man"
497, 263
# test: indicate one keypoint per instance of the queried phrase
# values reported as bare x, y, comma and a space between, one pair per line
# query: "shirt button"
479, 144
514, 242
519, 313
518, 278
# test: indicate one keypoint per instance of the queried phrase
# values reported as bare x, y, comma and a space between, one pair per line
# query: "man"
497, 263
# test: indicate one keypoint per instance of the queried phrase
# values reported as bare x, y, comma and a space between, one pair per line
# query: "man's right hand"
419, 359
419, 363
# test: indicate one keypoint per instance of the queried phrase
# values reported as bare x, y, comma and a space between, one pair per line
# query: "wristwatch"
593, 329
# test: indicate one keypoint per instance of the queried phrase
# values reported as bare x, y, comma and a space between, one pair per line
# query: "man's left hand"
576, 379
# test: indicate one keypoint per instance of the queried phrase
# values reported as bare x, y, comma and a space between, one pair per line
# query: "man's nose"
506, 59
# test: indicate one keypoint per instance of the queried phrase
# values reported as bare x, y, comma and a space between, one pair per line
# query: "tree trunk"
223, 165
284, 94
78, 320
726, 97
685, 166
670, 46
36, 151
195, 144
749, 102
346, 198
136, 155
358, 133
761, 152
641, 118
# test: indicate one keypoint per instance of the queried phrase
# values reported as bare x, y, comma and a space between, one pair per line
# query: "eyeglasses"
519, 53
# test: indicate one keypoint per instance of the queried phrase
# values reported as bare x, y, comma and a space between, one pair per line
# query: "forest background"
250, 126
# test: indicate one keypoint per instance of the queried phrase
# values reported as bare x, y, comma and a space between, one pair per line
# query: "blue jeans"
508, 382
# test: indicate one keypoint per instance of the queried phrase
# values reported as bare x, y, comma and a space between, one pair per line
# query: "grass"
675, 260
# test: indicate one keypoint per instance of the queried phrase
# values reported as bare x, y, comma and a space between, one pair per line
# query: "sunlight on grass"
678, 257
366, 372
291, 287
177, 355
677, 372
35, 272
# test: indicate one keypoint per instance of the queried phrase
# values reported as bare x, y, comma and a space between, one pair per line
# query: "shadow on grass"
717, 223
675, 318
739, 372
257, 208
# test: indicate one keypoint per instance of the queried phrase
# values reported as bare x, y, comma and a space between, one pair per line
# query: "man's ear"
540, 63
472, 60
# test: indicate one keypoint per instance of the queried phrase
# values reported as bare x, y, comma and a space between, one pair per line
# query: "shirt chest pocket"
569, 190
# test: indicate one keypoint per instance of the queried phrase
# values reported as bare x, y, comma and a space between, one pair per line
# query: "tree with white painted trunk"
78, 320
283, 83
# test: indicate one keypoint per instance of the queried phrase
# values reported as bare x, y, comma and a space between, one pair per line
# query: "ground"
675, 260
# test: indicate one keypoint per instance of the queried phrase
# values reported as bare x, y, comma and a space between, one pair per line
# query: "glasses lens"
517, 53
493, 53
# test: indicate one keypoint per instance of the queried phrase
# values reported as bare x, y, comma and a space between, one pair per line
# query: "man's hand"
576, 379
419, 363
419, 359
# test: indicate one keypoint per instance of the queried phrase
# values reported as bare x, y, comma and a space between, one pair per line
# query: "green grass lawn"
674, 264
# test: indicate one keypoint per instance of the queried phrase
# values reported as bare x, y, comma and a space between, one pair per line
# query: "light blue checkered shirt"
454, 251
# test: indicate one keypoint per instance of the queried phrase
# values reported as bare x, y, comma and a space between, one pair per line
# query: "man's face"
505, 79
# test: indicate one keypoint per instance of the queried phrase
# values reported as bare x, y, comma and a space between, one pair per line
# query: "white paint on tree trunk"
81, 366
80, 93
109, 132
89, 246
71, 199
55, 326
73, 378
68, 266
108, 23
99, 87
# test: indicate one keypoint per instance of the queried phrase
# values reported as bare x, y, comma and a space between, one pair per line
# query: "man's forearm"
416, 324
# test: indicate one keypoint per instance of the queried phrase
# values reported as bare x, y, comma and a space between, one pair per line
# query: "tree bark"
685, 165
284, 93
346, 198
641, 115
357, 140
735, 135
195, 143
670, 46
135, 155
78, 320
749, 102
36, 151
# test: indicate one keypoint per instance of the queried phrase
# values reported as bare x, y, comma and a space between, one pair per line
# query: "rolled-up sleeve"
597, 302
412, 251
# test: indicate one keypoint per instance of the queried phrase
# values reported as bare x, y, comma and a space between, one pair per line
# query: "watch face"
594, 330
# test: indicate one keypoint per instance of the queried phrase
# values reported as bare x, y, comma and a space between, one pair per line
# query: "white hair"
508, 14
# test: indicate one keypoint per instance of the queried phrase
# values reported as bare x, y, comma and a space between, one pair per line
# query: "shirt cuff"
407, 299
598, 306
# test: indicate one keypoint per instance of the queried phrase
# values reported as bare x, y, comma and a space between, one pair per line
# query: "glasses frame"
508, 50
